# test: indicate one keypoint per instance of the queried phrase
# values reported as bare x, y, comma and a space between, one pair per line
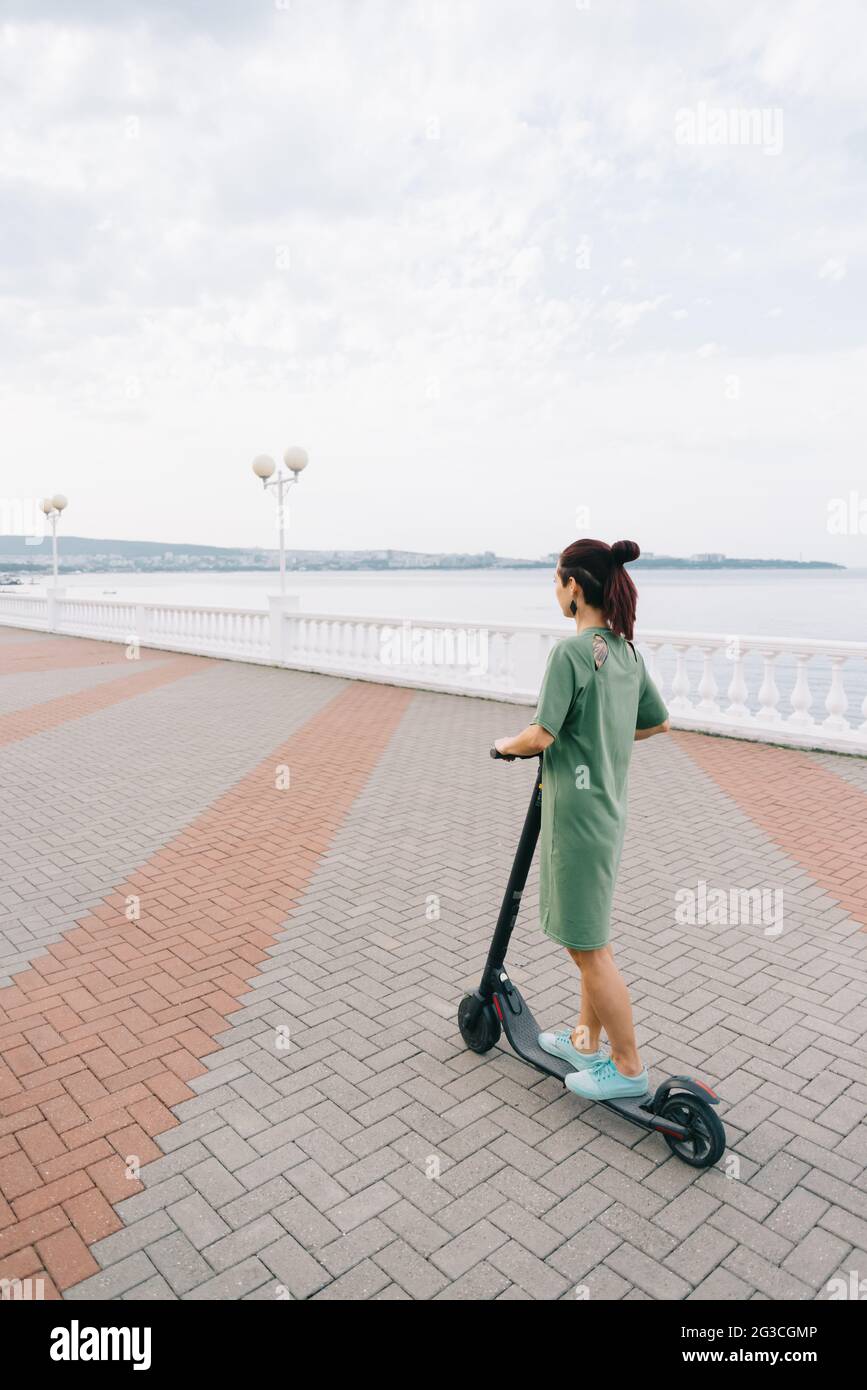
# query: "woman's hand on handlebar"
529, 743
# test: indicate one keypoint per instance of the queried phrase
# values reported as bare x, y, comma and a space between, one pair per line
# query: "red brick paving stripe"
98, 1038
66, 654
51, 713
818, 818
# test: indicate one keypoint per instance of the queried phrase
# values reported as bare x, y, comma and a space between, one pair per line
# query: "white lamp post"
52, 507
264, 467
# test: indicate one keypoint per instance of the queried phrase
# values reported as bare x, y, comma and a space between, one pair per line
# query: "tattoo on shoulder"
600, 650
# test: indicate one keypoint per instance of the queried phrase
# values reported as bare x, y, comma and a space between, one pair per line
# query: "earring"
573, 608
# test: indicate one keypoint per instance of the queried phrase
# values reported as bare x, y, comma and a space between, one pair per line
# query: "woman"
596, 700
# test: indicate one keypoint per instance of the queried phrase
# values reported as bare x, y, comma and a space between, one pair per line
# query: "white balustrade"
755, 704
23, 610
499, 661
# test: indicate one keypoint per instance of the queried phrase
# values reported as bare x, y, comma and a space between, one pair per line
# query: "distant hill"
86, 545
89, 553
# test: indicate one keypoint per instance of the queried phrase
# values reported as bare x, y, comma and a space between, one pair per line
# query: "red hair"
598, 569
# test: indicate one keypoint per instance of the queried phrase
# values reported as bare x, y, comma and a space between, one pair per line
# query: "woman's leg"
605, 1004
586, 1033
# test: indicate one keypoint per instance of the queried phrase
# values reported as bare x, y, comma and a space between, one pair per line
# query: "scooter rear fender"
682, 1083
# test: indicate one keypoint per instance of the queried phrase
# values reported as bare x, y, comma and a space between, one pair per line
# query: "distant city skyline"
20, 554
512, 274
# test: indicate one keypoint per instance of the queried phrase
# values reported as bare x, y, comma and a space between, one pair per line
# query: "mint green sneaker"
605, 1082
560, 1045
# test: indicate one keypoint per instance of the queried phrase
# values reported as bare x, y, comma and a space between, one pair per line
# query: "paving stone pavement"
84, 804
17, 687
333, 1139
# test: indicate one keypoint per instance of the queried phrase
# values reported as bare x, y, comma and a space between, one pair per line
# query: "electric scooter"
680, 1109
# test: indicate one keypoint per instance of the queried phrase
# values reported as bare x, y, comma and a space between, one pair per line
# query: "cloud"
834, 269
418, 237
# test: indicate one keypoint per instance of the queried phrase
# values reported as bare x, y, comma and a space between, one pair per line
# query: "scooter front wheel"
706, 1142
479, 1025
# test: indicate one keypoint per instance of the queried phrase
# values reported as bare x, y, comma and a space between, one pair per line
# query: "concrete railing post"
54, 597
278, 604
140, 620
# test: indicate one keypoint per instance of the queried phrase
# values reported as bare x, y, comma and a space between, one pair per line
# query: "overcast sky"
499, 265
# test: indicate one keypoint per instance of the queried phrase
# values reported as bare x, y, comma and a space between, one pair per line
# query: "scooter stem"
515, 887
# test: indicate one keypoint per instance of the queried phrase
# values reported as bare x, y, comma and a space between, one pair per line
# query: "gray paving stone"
296, 1270
271, 1165
535, 1235
137, 1236
601, 1284
578, 1209
816, 1257
266, 1198
481, 1283
370, 1202
414, 1274
161, 1168
342, 1254
154, 1290
243, 1117
778, 1177
698, 1255
115, 1281
721, 1285
751, 1234
459, 1255
247, 1240
179, 1263
363, 1281
306, 1223
232, 1283
843, 1224
214, 1182
772, 1281
848, 1196
686, 1213
154, 1198
797, 1214
199, 1127
536, 1278
229, 1148
647, 1274
198, 1220
417, 1229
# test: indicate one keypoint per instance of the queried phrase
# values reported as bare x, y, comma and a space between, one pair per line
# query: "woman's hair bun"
624, 551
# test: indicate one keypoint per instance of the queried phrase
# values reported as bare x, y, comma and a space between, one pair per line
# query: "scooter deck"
523, 1031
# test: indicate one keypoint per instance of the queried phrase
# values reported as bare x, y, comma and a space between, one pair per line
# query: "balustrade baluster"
707, 686
680, 702
836, 701
769, 695
801, 697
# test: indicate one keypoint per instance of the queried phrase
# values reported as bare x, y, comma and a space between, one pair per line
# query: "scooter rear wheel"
479, 1034
707, 1137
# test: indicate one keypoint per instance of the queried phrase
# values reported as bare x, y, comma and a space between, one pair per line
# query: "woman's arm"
533, 739
648, 733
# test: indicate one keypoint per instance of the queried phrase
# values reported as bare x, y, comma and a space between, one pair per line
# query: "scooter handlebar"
511, 757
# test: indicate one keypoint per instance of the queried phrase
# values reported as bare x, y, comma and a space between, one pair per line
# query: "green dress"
593, 711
